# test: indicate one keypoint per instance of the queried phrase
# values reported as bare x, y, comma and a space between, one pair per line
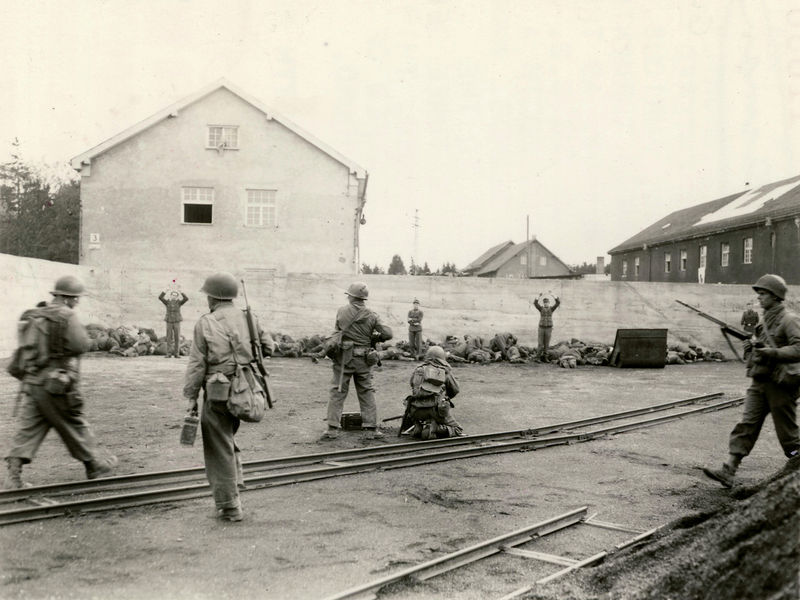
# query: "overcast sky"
593, 119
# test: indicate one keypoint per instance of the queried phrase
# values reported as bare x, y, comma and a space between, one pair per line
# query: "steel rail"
270, 480
468, 555
198, 473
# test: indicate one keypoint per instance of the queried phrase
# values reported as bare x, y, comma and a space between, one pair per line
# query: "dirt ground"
314, 539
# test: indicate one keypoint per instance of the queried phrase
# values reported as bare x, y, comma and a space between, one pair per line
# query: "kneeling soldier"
428, 406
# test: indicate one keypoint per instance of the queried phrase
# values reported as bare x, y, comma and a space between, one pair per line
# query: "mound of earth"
747, 549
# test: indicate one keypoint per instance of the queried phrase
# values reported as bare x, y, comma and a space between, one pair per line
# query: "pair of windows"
635, 267
198, 207
747, 252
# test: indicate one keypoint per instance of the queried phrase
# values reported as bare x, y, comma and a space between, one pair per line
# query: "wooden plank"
550, 558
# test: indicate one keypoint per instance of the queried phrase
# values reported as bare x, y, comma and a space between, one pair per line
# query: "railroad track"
125, 491
508, 545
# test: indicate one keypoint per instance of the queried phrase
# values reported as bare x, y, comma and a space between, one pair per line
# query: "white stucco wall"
131, 197
305, 304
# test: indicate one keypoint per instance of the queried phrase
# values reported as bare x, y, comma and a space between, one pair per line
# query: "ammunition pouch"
58, 382
218, 388
372, 357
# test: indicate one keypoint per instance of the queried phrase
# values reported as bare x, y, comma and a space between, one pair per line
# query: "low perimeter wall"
305, 304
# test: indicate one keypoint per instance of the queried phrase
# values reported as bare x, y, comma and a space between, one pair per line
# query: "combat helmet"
222, 286
775, 284
68, 285
358, 290
436, 353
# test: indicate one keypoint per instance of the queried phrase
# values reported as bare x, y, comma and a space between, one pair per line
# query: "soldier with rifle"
356, 330
222, 338
773, 364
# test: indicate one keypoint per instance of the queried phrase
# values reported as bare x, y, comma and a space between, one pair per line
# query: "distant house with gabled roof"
221, 181
527, 260
734, 239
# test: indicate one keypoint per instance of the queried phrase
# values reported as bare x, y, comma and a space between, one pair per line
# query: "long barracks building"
734, 239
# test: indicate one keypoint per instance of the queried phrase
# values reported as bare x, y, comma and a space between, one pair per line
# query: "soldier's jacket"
212, 351
173, 307
360, 331
415, 319
546, 312
450, 389
784, 328
68, 339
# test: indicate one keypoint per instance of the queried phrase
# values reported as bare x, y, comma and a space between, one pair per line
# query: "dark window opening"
197, 213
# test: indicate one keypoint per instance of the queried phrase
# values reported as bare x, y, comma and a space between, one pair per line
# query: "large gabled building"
220, 181
734, 239
527, 260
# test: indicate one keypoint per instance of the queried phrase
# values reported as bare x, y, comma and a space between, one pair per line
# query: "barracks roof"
774, 200
172, 110
479, 262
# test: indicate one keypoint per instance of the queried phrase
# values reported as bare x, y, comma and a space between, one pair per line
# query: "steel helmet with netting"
358, 290
222, 286
68, 286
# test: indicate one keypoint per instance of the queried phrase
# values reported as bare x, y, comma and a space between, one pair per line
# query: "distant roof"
774, 200
508, 253
172, 109
487, 256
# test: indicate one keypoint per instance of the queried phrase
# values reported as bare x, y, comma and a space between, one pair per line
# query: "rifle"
727, 330
255, 346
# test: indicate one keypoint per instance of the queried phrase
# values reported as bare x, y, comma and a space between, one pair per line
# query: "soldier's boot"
13, 479
726, 475
416, 432
373, 433
100, 467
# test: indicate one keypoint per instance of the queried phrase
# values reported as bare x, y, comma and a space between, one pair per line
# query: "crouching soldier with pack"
51, 338
428, 407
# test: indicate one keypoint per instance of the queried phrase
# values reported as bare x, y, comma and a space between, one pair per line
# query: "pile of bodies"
130, 341
502, 347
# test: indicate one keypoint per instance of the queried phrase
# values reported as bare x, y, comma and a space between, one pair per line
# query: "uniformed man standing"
221, 339
779, 343
359, 328
51, 395
173, 319
545, 323
415, 330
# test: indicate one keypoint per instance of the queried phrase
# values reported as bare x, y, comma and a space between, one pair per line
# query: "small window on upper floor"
223, 137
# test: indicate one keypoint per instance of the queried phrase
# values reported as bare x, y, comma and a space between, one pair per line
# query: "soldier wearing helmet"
50, 397
358, 328
772, 356
221, 339
433, 387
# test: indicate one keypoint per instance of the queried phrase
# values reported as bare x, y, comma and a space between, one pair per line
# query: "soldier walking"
221, 339
173, 319
778, 343
360, 328
50, 394
545, 323
415, 330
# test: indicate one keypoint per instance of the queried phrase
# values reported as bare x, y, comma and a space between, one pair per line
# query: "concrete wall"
132, 197
305, 304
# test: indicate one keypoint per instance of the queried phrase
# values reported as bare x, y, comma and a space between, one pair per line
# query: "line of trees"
39, 211
397, 267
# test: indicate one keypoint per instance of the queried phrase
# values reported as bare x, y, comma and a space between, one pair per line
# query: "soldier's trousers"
544, 338
174, 338
764, 397
223, 466
39, 411
361, 373
415, 343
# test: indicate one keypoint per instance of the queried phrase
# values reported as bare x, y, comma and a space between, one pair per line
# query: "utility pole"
415, 226
528, 246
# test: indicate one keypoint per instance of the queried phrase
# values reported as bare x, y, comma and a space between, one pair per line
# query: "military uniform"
40, 409
428, 406
545, 324
359, 327
213, 352
415, 330
173, 319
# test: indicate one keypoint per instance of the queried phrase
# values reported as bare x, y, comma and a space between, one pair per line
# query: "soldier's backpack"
33, 344
428, 380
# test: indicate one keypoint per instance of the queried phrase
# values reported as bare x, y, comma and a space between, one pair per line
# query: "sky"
580, 123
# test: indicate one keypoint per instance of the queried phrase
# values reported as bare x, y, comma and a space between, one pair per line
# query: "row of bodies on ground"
502, 347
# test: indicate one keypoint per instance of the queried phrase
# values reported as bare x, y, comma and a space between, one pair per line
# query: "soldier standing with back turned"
51, 395
360, 327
